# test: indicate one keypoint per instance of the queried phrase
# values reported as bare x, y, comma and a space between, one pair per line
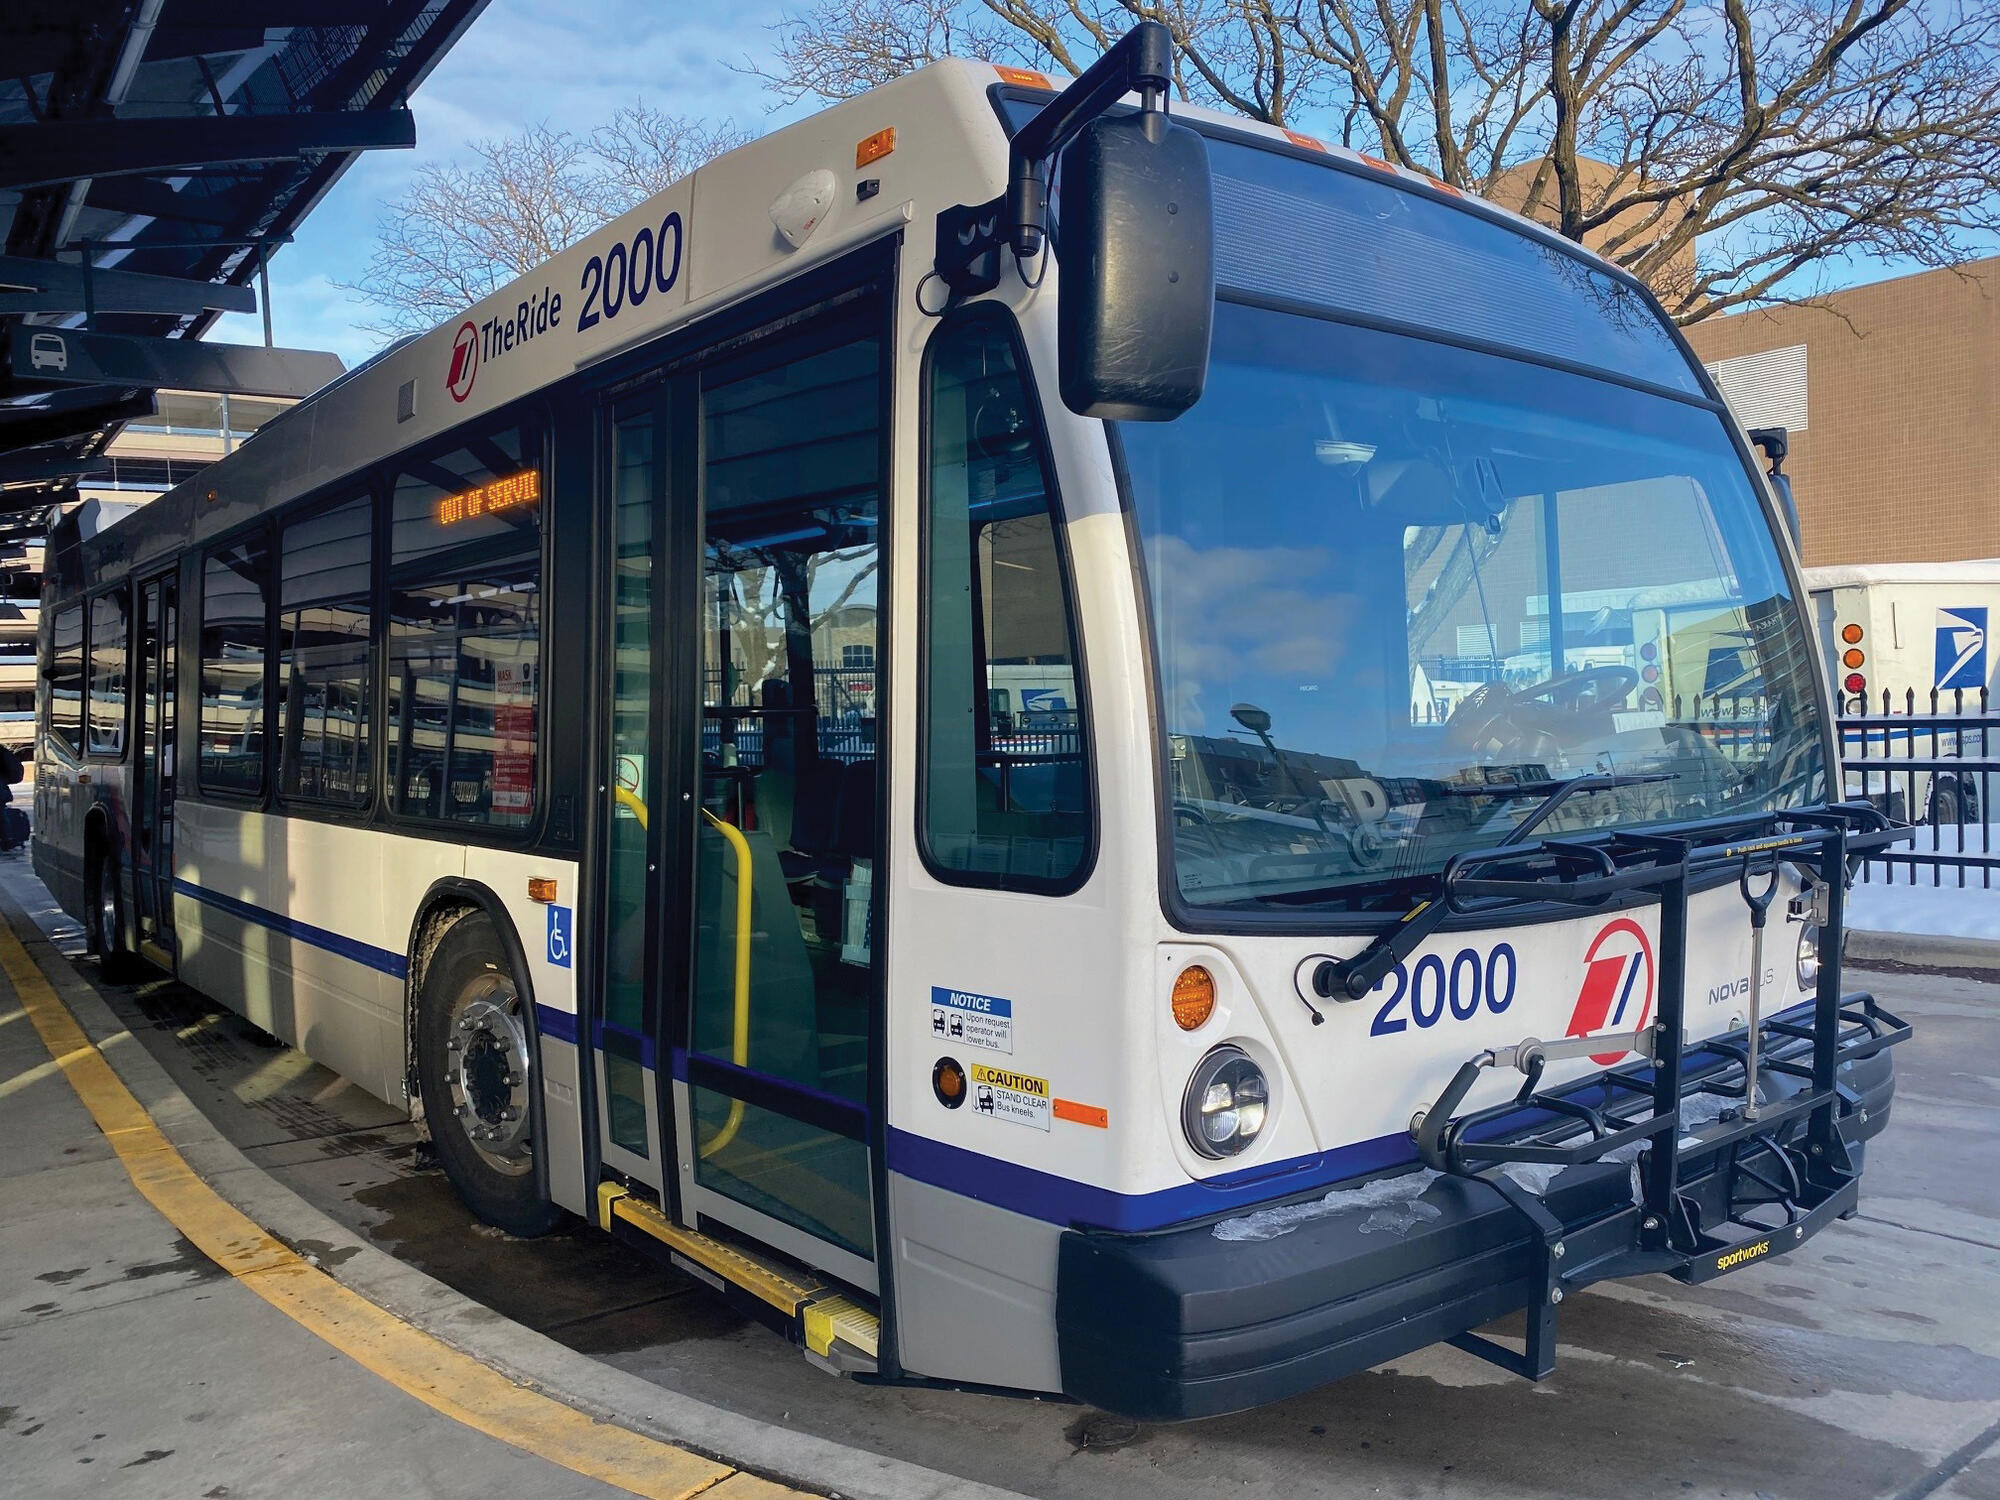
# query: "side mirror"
1136, 245
1252, 718
1776, 445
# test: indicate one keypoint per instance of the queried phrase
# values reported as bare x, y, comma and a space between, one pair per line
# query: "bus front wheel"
476, 1073
107, 921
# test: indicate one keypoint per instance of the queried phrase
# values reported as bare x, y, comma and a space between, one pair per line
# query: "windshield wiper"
1351, 978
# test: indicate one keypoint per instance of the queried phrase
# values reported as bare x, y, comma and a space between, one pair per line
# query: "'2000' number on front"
1435, 990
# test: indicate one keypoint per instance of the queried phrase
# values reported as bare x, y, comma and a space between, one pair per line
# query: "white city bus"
880, 758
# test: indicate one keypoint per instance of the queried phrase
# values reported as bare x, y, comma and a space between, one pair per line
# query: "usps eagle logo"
1961, 648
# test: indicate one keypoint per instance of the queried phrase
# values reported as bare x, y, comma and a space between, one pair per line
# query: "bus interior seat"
853, 838
815, 815
776, 789
784, 1022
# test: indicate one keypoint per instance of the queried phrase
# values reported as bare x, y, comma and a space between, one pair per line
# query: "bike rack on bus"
1805, 1175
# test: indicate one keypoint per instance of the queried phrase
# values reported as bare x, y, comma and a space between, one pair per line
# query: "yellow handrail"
626, 797
739, 1050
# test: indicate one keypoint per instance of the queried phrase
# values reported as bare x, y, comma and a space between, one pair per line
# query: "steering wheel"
1602, 686
1485, 722
1481, 715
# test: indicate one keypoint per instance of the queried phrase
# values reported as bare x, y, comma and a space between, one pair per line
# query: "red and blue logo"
464, 361
1618, 979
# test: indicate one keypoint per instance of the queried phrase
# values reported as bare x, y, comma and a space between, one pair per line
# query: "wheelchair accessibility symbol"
561, 926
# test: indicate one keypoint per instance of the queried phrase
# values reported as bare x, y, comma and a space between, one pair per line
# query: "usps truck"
1911, 639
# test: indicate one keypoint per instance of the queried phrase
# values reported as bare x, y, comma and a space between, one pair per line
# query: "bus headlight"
1808, 960
1226, 1103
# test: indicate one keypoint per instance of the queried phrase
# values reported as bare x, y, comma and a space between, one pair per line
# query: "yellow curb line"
413, 1361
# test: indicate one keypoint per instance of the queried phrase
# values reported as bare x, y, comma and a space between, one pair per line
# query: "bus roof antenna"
970, 237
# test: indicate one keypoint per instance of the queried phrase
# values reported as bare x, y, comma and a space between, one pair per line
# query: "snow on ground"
1903, 900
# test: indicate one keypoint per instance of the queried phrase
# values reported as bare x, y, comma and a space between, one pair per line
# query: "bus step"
841, 1335
837, 1333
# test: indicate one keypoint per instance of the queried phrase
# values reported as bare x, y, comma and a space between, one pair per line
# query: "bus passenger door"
153, 787
624, 1032
777, 704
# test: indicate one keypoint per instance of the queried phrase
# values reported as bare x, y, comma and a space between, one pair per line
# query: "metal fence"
1932, 764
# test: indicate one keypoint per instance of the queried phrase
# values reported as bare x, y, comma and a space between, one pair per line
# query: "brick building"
1892, 396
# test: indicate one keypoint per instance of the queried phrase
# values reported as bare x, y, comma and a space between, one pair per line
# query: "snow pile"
1392, 1203
1706, 1109
1896, 898
1535, 1176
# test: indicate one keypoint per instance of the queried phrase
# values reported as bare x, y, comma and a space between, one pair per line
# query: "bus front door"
625, 1032
740, 969
772, 1077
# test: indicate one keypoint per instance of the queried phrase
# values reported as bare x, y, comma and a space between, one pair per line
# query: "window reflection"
323, 644
1352, 545
233, 581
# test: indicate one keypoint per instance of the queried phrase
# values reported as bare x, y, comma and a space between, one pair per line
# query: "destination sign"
509, 492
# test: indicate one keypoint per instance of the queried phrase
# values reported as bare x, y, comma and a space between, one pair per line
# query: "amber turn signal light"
1852, 658
1851, 634
1194, 997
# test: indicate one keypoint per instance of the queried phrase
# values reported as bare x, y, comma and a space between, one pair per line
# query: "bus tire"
115, 961
476, 1074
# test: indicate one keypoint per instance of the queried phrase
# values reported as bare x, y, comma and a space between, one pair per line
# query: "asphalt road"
1865, 1364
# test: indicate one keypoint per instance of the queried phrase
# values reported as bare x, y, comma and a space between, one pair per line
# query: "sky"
572, 63
523, 61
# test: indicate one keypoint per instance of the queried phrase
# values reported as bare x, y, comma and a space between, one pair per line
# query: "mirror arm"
969, 237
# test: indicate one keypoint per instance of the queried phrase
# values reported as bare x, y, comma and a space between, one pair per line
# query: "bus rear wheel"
476, 1073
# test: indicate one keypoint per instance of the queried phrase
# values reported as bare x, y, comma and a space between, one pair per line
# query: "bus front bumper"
1185, 1323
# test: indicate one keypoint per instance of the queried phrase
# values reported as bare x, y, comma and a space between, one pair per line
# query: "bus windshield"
1401, 591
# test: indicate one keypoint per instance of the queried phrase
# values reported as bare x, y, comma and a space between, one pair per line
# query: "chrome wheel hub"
107, 912
486, 1067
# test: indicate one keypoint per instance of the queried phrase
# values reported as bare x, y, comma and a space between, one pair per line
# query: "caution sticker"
976, 1020
1018, 1098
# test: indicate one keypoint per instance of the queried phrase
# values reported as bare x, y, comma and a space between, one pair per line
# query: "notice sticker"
976, 1020
1018, 1098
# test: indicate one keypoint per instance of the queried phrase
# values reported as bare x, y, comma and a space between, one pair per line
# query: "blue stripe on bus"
560, 1025
556, 1025
381, 959
649, 1054
1058, 1200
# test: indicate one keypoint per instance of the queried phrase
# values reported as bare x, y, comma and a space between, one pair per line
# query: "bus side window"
464, 667
66, 679
110, 649
233, 582
1006, 780
323, 665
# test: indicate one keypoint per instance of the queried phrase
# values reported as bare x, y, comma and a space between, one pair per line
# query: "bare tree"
1716, 148
462, 232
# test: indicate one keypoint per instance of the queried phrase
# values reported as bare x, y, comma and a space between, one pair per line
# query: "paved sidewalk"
134, 1366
